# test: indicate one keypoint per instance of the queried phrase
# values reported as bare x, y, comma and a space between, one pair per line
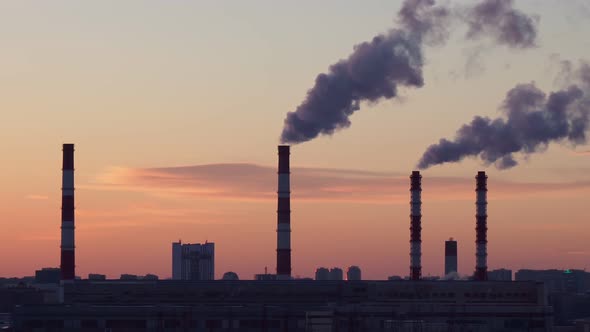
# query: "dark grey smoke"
373, 71
424, 20
376, 69
533, 121
498, 18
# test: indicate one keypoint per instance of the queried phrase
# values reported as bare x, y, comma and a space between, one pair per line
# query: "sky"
176, 109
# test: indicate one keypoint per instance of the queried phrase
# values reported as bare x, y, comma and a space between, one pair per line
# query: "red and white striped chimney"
67, 265
416, 226
481, 255
284, 216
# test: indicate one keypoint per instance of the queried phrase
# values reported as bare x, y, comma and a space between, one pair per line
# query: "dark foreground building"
292, 306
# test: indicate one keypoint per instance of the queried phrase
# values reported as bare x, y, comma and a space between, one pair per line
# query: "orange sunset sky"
175, 109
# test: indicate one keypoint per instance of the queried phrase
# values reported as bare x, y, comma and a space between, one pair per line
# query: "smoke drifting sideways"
376, 69
373, 71
533, 121
498, 19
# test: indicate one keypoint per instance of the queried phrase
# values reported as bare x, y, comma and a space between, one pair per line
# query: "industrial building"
558, 281
96, 276
265, 277
277, 302
48, 275
193, 261
291, 305
500, 275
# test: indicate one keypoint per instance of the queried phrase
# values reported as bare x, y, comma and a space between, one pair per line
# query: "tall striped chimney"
415, 226
481, 255
284, 216
67, 265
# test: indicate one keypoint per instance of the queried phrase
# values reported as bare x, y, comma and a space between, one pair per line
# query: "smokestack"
415, 226
450, 256
284, 216
481, 267
67, 215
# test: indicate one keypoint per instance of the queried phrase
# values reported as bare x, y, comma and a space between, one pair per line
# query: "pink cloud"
251, 182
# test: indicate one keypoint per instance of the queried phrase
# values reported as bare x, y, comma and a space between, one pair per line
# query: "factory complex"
278, 302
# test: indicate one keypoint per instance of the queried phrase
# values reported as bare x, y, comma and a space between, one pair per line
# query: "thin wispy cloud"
250, 182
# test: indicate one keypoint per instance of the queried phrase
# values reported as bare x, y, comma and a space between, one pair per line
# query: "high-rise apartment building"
450, 256
336, 273
193, 261
353, 273
322, 273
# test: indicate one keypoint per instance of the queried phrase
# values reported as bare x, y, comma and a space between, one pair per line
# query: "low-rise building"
500, 275
294, 305
96, 276
48, 275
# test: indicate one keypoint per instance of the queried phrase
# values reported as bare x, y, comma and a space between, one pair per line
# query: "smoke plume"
532, 121
376, 69
373, 71
508, 26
